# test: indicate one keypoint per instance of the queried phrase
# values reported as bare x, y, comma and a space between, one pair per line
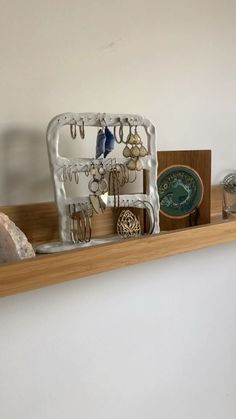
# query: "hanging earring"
73, 131
102, 184
64, 173
129, 175
110, 141
134, 149
97, 185
142, 150
73, 229
121, 132
119, 139
82, 130
149, 208
76, 174
114, 187
86, 170
86, 223
128, 225
69, 172
81, 223
100, 143
126, 151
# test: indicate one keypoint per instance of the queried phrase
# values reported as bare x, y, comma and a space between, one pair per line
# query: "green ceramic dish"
180, 190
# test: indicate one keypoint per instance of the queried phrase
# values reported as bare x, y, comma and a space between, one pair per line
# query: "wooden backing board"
199, 160
39, 221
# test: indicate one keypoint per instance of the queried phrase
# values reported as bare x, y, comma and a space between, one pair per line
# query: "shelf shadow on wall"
24, 169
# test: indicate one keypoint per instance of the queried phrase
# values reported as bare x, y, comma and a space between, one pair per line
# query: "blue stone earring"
100, 143
110, 141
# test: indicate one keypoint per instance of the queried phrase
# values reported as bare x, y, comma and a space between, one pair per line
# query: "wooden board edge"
56, 268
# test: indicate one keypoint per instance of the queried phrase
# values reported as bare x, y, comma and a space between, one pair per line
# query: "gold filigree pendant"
128, 225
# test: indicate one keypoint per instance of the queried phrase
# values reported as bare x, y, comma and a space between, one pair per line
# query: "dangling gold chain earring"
114, 186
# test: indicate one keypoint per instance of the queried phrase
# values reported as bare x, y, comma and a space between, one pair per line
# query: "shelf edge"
52, 269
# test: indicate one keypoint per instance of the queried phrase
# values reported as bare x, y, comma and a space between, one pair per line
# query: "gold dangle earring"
126, 151
127, 224
121, 132
114, 186
73, 220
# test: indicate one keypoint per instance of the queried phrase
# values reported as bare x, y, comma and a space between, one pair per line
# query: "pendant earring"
82, 130
110, 141
73, 130
100, 143
114, 187
128, 225
119, 139
76, 174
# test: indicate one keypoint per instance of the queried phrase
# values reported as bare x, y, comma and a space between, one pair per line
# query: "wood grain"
52, 269
199, 160
39, 221
216, 201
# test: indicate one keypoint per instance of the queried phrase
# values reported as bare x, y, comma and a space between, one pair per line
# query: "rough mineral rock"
13, 242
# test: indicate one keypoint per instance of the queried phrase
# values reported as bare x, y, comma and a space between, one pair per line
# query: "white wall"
153, 341
173, 61
156, 340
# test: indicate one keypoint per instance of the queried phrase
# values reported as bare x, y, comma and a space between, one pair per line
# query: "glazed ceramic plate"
180, 190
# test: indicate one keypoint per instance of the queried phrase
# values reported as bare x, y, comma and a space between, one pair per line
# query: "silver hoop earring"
73, 131
82, 130
147, 206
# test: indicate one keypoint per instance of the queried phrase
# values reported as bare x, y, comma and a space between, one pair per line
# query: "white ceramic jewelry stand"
57, 163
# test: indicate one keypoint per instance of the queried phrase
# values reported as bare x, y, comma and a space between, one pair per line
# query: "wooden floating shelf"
39, 222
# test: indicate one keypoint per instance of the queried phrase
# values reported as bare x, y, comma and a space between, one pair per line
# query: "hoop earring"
135, 176
76, 174
147, 206
82, 130
121, 132
115, 135
88, 230
73, 131
114, 187
73, 229
64, 173
69, 172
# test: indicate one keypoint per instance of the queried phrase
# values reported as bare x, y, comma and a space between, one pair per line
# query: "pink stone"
13, 242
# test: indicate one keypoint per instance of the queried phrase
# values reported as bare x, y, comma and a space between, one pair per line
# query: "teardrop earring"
110, 141
128, 225
100, 143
